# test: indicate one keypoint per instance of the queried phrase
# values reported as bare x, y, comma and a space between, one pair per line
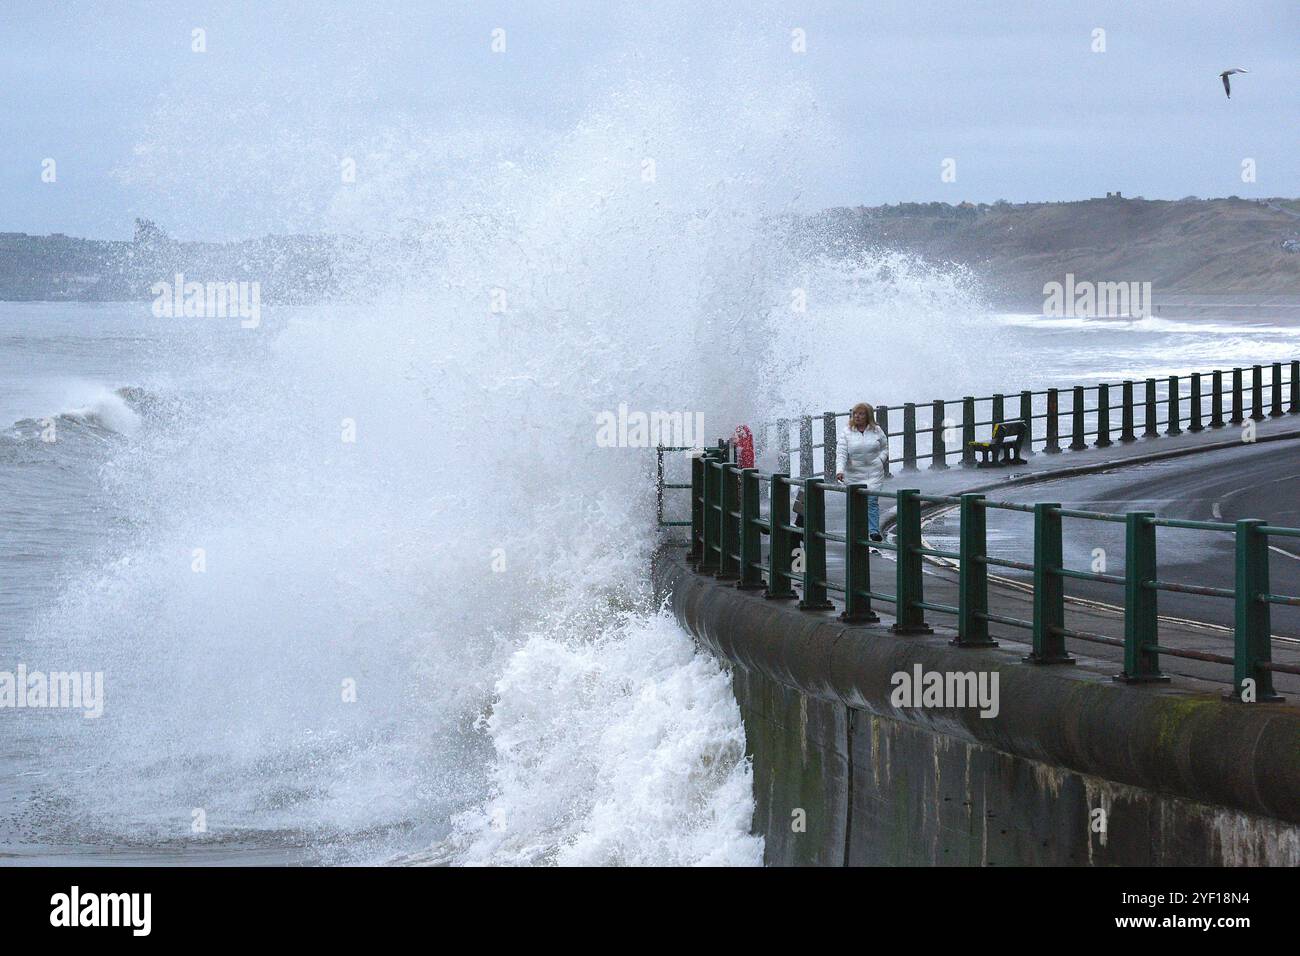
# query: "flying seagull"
1227, 87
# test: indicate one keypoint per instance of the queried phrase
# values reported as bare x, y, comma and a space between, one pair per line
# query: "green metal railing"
727, 526
661, 485
1097, 416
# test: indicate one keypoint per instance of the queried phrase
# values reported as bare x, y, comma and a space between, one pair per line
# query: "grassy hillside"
1188, 248
1191, 251
59, 267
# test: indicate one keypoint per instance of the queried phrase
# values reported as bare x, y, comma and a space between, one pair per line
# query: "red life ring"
743, 440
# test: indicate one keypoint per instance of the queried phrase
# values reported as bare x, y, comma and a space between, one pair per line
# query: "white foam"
1146, 324
627, 750
102, 407
474, 550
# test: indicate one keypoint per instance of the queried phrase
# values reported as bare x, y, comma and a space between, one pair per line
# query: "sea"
362, 587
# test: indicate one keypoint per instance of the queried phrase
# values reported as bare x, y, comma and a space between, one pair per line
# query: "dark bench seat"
1004, 446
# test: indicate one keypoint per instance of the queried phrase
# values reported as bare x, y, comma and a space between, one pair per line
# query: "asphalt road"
1260, 481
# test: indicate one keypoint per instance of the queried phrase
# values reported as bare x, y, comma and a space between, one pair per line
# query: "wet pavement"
1210, 476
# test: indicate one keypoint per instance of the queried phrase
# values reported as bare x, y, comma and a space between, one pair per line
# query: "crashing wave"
118, 411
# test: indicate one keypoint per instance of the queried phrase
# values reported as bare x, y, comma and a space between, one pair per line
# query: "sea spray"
625, 750
421, 618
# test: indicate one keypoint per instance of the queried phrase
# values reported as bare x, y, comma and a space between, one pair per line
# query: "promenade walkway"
1084, 479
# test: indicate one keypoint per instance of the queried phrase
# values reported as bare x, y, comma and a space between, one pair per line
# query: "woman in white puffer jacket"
862, 458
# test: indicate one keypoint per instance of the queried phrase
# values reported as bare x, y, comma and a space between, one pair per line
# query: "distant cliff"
1188, 250
1193, 251
59, 267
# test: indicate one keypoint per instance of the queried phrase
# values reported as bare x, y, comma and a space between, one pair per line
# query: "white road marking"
1014, 585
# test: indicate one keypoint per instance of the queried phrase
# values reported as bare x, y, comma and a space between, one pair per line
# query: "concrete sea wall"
1074, 769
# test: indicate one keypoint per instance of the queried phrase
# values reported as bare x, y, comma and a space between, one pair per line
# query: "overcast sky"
1012, 91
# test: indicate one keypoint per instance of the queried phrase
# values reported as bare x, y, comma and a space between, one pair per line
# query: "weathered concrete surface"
1183, 777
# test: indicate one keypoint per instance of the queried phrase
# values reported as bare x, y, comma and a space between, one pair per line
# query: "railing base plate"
1045, 661
864, 617
1141, 679
958, 642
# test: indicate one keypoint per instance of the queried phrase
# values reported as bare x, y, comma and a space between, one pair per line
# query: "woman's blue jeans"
873, 514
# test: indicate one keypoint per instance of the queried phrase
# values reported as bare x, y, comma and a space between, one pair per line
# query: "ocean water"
472, 564
514, 685
362, 583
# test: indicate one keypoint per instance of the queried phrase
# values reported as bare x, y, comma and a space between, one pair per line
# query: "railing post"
728, 563
783, 445
882, 419
1049, 590
999, 408
659, 483
910, 589
751, 535
1027, 416
1126, 414
1103, 416
1295, 387
1238, 415
1251, 635
1257, 393
781, 556
1175, 413
857, 559
805, 446
1053, 445
973, 576
1216, 400
1152, 430
967, 431
829, 443
909, 437
1196, 425
1141, 628
938, 449
1077, 422
1276, 410
814, 546
712, 515
697, 509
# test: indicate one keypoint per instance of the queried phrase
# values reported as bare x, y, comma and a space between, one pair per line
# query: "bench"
1003, 447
